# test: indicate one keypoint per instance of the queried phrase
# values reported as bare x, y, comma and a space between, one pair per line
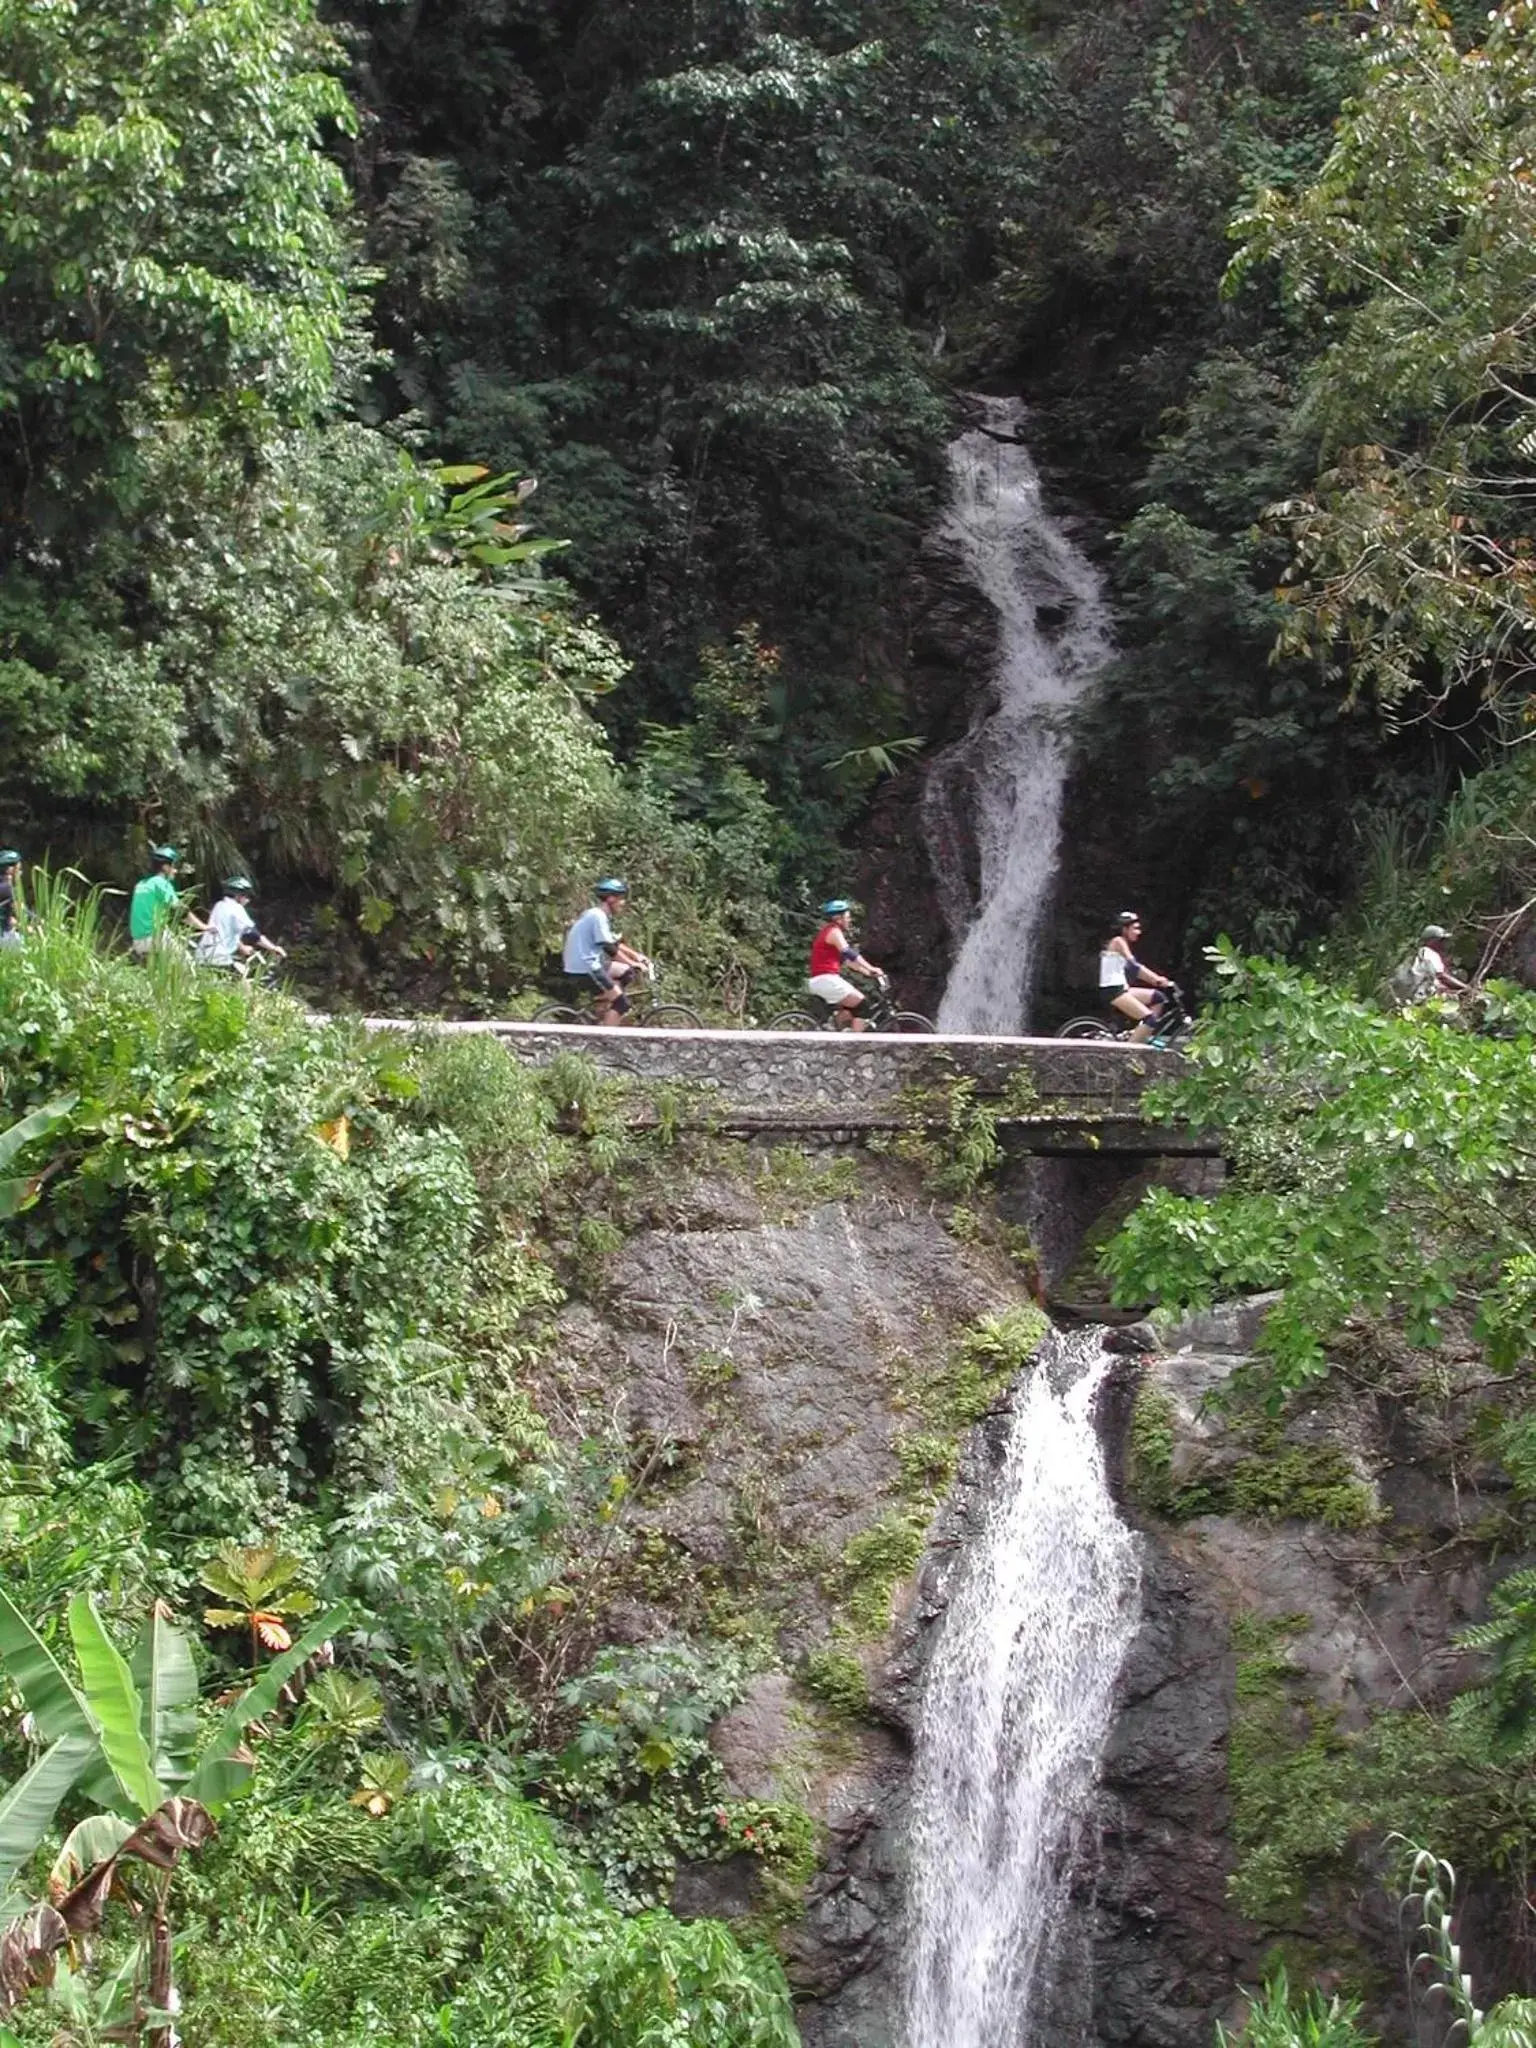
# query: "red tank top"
825, 957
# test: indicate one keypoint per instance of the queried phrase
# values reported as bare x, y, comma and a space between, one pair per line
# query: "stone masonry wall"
827, 1070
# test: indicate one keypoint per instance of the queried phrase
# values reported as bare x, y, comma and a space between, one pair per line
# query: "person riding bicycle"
1122, 977
831, 951
230, 937
156, 904
596, 957
10, 897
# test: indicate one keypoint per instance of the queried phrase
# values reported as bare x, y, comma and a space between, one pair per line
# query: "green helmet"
161, 854
9, 857
238, 885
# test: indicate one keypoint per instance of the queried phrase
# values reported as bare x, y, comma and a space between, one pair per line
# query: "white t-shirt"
587, 942
1428, 966
228, 923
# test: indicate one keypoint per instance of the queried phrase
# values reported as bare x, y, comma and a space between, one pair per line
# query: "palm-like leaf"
166, 1678
17, 1194
252, 1574
115, 1706
27, 1807
95, 1840
221, 1770
51, 1698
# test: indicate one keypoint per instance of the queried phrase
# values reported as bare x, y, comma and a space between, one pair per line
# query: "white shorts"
833, 989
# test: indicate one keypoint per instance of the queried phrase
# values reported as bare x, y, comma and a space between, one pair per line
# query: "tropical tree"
125, 1737
259, 1582
170, 234
1409, 258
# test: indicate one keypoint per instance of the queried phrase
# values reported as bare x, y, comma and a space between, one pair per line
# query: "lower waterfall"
1015, 1713
1003, 783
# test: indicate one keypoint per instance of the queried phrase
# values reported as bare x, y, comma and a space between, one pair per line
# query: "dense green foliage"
267, 1284
689, 264
1380, 1165
1410, 255
233, 614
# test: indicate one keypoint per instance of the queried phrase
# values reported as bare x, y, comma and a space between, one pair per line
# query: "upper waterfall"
1006, 777
1015, 1712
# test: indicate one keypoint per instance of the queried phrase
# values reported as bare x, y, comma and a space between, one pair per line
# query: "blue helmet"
835, 906
161, 855
611, 886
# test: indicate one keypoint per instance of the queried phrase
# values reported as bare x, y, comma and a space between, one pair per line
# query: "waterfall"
1015, 1713
1007, 775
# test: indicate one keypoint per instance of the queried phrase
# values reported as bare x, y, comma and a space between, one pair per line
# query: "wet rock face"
771, 1328
949, 661
1381, 1606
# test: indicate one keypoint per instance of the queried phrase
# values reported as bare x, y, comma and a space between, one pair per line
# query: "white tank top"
1111, 969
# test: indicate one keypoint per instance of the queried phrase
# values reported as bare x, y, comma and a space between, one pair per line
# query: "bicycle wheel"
671, 1017
558, 1013
795, 1020
1087, 1027
911, 1023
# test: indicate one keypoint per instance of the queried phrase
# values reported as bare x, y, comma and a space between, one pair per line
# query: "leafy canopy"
1409, 258
169, 233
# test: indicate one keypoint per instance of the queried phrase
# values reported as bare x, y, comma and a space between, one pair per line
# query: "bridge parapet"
1054, 1094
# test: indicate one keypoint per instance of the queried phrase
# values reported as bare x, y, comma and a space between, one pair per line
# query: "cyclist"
596, 957
831, 951
10, 897
156, 903
1122, 976
230, 937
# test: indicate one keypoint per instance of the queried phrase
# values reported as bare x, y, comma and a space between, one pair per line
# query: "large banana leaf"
94, 1840
166, 1677
51, 1698
17, 1194
27, 1807
115, 1705
220, 1771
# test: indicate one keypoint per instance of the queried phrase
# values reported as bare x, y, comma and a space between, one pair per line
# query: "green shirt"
155, 903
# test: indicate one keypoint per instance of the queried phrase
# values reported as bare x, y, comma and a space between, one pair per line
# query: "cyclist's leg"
841, 998
1140, 1012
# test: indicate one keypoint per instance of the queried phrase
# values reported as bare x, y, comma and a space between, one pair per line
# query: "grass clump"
872, 1566
838, 1680
1149, 1450
1304, 1483
792, 1183
990, 1355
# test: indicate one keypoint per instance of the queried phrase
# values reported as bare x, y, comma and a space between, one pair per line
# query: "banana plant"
19, 1194
125, 1736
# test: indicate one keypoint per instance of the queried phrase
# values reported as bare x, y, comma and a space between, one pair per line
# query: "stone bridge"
1052, 1097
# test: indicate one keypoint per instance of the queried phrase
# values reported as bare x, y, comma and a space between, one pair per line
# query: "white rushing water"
1004, 780
1016, 1709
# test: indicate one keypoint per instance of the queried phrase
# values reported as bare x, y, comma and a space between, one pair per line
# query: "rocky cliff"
812, 1355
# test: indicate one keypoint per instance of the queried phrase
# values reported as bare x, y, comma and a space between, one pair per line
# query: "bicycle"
644, 1009
1174, 1023
879, 1010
